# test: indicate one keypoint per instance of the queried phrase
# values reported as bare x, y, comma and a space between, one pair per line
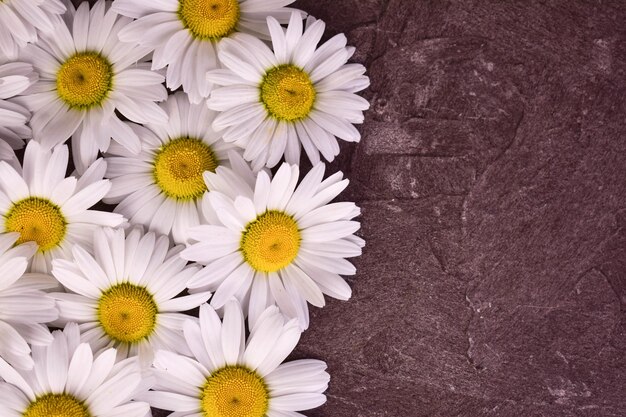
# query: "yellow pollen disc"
36, 220
127, 313
179, 165
56, 405
271, 242
84, 80
287, 93
209, 19
234, 391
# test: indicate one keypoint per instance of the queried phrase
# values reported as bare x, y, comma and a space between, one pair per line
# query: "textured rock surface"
493, 185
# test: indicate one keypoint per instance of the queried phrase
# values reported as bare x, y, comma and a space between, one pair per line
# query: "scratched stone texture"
492, 178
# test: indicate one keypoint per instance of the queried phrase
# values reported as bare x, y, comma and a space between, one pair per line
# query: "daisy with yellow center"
69, 379
228, 376
46, 208
24, 306
86, 74
279, 244
123, 295
162, 187
274, 102
184, 34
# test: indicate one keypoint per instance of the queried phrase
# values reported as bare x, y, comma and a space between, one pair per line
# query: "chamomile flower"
124, 295
284, 245
45, 207
272, 102
86, 74
184, 34
20, 20
23, 304
69, 380
229, 377
15, 77
162, 186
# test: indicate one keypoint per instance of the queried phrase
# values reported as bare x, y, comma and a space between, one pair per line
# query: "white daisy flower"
229, 377
283, 245
15, 77
23, 304
45, 207
86, 74
125, 295
162, 186
272, 102
68, 380
21, 19
185, 33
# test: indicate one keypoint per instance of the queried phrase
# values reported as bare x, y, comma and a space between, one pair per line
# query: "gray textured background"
492, 180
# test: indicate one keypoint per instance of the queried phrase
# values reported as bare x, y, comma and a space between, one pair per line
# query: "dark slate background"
492, 180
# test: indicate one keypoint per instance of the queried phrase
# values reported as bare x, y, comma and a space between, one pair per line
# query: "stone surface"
492, 179
493, 187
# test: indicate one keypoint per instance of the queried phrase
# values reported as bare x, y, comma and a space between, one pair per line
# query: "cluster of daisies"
212, 213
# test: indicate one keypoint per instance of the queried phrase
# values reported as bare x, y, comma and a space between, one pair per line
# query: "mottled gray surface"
493, 185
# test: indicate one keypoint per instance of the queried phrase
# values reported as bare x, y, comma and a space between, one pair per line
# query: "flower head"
184, 34
124, 295
86, 74
282, 245
162, 186
45, 207
228, 376
298, 95
69, 380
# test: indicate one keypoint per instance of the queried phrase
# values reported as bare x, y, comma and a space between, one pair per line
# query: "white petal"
184, 303
267, 331
298, 402
171, 401
233, 332
239, 278
79, 368
305, 285
57, 360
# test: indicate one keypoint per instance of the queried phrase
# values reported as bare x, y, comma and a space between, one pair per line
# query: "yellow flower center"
127, 313
287, 93
234, 391
271, 242
36, 220
179, 165
209, 19
56, 405
84, 80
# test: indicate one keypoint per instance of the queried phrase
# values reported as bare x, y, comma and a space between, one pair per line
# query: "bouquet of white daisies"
212, 212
